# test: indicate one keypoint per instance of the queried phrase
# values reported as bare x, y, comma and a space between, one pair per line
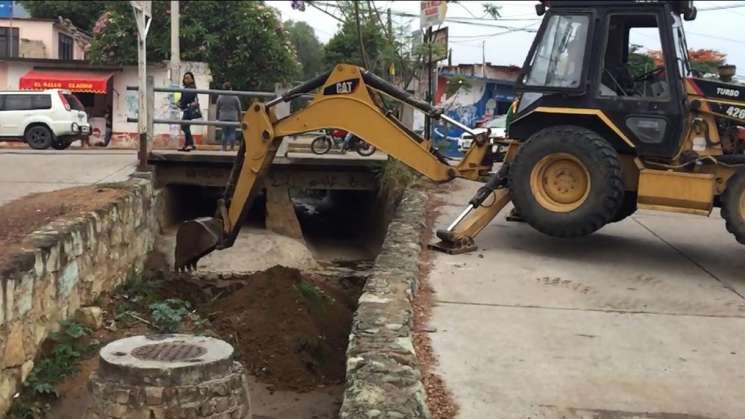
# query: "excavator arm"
346, 100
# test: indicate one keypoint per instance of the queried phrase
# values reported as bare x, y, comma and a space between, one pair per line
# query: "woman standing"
228, 109
189, 103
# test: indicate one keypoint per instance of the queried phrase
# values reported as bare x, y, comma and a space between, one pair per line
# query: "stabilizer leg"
459, 235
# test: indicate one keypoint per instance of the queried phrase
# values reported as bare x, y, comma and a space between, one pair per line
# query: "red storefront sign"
74, 81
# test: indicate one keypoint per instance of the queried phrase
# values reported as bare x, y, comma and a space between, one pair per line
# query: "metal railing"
247, 93
242, 93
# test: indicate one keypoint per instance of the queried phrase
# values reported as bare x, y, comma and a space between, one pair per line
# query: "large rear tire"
733, 206
627, 208
566, 181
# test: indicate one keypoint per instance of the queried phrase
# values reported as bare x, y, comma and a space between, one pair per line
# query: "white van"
53, 118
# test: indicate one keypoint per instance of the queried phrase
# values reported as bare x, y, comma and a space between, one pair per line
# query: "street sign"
440, 44
432, 13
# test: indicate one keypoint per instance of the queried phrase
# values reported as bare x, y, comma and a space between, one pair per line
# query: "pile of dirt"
290, 330
21, 217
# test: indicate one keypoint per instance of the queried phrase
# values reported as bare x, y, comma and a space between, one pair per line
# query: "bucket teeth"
196, 238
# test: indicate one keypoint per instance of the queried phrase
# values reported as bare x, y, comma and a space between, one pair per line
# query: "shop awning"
74, 81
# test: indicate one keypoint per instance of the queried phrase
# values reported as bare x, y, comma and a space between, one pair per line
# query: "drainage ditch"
286, 305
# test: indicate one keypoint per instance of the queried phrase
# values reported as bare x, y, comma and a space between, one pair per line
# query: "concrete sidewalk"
643, 319
28, 171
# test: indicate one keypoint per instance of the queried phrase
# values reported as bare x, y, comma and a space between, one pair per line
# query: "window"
74, 102
41, 102
634, 63
26, 102
65, 47
681, 48
8, 42
17, 103
558, 58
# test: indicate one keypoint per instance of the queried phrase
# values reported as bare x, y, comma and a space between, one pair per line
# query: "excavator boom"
347, 99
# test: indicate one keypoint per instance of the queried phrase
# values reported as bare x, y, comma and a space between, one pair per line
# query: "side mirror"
690, 14
540, 9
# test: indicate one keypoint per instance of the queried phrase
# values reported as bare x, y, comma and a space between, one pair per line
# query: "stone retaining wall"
383, 377
69, 264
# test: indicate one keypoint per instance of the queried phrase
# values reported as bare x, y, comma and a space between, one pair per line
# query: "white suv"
53, 118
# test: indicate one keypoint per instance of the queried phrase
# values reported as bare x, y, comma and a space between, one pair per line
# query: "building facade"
485, 92
103, 92
38, 54
42, 39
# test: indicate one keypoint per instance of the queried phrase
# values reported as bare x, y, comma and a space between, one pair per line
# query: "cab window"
634, 64
559, 56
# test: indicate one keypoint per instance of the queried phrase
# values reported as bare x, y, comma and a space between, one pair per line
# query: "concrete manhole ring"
169, 352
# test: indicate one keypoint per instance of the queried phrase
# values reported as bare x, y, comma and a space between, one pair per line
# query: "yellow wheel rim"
560, 182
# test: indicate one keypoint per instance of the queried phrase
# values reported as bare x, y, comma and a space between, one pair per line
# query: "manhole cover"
168, 351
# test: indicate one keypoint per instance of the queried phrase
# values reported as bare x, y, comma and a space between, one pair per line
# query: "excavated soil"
21, 217
290, 329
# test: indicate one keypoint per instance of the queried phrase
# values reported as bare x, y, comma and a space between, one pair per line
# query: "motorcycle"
337, 138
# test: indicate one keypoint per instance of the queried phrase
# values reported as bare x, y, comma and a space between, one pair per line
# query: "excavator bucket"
195, 239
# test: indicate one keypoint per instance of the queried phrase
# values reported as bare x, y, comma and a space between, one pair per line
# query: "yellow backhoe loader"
589, 143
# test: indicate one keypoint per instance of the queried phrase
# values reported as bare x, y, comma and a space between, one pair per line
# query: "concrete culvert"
184, 376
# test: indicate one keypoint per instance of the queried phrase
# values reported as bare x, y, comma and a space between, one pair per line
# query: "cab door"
638, 85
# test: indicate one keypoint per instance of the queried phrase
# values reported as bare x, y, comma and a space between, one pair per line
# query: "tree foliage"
345, 46
82, 14
308, 48
701, 60
639, 63
243, 42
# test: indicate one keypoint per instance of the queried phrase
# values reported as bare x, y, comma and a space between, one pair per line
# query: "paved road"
27, 171
643, 319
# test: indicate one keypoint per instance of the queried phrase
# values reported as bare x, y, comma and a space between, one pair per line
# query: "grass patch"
61, 361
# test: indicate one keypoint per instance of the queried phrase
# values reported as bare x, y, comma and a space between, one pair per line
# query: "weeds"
50, 370
309, 291
395, 178
167, 315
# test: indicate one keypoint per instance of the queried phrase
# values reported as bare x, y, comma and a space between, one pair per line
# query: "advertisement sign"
432, 13
440, 44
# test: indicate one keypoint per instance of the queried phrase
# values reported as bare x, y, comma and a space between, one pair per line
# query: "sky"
712, 29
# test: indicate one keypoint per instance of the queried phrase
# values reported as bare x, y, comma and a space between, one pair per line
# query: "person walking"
229, 110
189, 103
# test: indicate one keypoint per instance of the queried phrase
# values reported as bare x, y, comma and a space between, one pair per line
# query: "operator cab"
589, 63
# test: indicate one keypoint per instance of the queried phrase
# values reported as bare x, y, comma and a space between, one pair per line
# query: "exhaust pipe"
196, 238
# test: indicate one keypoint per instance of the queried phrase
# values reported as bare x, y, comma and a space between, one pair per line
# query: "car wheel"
39, 137
60, 144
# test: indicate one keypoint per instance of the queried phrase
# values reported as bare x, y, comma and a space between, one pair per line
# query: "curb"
383, 377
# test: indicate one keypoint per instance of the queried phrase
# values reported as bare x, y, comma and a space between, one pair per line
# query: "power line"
721, 38
708, 9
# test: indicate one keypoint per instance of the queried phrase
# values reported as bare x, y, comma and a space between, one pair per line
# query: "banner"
432, 13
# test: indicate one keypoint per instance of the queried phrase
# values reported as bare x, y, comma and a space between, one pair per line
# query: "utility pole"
175, 70
483, 59
428, 120
143, 18
390, 23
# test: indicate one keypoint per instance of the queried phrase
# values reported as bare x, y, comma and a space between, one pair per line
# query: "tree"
307, 47
345, 46
82, 14
704, 61
243, 42
639, 63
